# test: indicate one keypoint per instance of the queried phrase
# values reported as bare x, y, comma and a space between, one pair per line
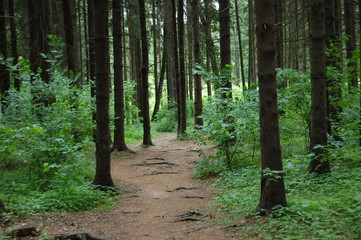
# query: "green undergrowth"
323, 207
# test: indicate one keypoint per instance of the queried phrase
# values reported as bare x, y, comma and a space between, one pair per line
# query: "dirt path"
162, 201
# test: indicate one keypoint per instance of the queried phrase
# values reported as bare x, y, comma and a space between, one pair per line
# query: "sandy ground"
160, 200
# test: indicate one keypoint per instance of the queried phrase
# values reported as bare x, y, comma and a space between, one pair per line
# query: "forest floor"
159, 200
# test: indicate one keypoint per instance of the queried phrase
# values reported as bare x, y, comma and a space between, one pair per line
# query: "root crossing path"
160, 200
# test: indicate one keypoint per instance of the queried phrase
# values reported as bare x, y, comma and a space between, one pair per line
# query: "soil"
161, 200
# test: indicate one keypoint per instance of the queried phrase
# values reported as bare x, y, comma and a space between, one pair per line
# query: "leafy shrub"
230, 123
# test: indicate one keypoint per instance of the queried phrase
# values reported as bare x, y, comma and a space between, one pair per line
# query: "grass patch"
326, 207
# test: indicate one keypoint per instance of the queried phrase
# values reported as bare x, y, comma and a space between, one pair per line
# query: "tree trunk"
319, 163
4, 74
170, 54
190, 49
91, 57
251, 45
332, 85
119, 131
207, 26
69, 38
350, 31
147, 141
182, 125
159, 88
14, 44
279, 32
44, 30
240, 47
198, 104
293, 35
101, 49
272, 182
225, 41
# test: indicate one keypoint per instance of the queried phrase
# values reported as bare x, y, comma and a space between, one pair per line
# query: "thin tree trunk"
332, 85
4, 74
279, 32
240, 47
251, 45
207, 24
101, 50
44, 30
272, 192
14, 44
91, 57
319, 163
119, 131
147, 141
182, 77
190, 49
159, 88
69, 37
198, 104
350, 31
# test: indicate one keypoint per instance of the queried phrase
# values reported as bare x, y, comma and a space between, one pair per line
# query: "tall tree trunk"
207, 26
147, 141
319, 163
182, 75
170, 53
14, 44
272, 191
279, 32
155, 48
69, 38
293, 34
34, 58
240, 47
101, 49
190, 48
198, 104
225, 40
251, 45
119, 131
44, 30
332, 85
135, 50
91, 57
4, 74
350, 31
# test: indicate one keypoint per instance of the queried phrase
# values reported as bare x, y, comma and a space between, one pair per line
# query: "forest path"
161, 200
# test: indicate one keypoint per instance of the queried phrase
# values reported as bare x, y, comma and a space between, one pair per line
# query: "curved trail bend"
161, 200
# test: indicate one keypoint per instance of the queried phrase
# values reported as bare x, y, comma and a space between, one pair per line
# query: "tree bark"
279, 32
69, 38
170, 53
198, 104
190, 49
319, 163
159, 88
4, 74
272, 182
147, 141
251, 45
101, 49
14, 43
350, 31
225, 40
182, 125
240, 47
91, 60
332, 85
119, 130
